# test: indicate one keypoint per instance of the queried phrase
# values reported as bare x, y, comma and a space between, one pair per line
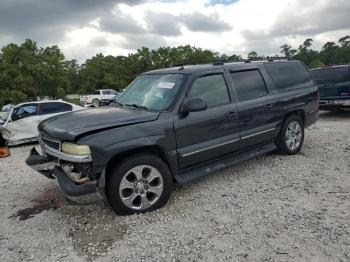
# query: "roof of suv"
190, 69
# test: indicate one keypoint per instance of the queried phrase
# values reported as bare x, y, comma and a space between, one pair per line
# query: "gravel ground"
274, 208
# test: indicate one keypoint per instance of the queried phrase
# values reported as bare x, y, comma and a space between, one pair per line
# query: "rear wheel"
96, 102
141, 183
291, 137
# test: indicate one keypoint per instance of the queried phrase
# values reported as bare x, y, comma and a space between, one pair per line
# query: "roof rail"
274, 58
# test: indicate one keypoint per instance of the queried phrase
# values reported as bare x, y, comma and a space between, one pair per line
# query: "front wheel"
141, 183
291, 137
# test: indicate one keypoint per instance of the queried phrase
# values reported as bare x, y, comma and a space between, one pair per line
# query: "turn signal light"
4, 152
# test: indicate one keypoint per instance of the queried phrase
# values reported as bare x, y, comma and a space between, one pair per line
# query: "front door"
212, 133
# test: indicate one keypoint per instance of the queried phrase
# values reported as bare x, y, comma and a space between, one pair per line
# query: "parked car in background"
99, 98
334, 86
177, 124
19, 125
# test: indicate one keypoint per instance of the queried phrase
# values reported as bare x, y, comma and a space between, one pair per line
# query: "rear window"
330, 75
288, 75
249, 84
54, 107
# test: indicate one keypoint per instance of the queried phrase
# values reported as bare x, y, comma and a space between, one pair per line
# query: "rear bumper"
311, 118
332, 103
48, 167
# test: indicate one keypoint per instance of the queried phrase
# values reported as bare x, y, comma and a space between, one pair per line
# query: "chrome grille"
55, 144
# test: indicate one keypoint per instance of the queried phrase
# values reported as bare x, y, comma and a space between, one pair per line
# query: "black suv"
334, 86
176, 125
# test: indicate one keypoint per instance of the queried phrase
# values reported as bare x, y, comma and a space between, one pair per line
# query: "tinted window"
212, 88
96, 93
105, 92
288, 74
24, 111
330, 75
249, 84
54, 107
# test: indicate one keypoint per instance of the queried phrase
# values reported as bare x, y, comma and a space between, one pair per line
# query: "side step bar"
227, 161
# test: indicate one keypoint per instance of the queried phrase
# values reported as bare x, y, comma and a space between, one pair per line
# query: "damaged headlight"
75, 149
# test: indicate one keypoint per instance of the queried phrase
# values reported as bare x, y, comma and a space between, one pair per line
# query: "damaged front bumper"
49, 167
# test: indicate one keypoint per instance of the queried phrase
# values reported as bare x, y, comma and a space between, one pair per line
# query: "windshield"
155, 92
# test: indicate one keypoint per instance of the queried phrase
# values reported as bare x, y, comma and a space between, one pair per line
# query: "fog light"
4, 152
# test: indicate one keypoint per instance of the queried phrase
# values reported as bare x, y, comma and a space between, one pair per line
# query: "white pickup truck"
99, 97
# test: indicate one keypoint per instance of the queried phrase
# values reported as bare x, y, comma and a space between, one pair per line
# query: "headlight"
74, 149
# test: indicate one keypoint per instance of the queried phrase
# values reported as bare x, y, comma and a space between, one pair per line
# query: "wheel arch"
149, 149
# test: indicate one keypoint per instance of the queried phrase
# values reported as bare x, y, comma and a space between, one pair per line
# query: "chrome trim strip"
211, 147
67, 157
262, 132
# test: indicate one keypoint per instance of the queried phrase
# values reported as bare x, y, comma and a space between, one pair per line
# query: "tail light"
4, 152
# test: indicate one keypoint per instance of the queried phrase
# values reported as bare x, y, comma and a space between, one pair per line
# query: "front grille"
55, 144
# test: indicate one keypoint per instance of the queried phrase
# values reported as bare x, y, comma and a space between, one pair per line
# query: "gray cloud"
120, 24
170, 25
198, 22
163, 24
306, 18
136, 41
99, 41
34, 18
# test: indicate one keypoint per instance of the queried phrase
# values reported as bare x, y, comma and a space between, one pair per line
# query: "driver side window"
212, 88
24, 112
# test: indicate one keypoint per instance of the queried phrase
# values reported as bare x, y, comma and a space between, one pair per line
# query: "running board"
217, 165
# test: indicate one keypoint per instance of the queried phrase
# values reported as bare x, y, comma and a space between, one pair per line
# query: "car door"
23, 123
212, 133
257, 114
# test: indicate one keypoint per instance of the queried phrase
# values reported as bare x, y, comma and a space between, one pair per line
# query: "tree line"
28, 71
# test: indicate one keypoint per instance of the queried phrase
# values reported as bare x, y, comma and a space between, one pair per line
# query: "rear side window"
96, 93
54, 107
212, 88
249, 84
287, 75
330, 75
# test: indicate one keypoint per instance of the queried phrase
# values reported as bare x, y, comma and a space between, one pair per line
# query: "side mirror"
194, 105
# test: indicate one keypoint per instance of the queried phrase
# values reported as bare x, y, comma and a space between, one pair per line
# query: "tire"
131, 185
96, 102
291, 137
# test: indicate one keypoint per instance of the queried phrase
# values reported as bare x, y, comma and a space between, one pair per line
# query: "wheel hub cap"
293, 135
141, 187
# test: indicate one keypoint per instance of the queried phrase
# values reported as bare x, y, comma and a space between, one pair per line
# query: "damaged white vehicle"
19, 125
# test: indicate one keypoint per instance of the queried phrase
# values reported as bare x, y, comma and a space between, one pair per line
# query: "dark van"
174, 125
334, 86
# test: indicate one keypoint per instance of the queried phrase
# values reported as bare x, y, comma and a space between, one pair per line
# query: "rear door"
206, 135
257, 114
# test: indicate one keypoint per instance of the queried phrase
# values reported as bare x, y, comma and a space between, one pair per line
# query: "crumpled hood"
67, 127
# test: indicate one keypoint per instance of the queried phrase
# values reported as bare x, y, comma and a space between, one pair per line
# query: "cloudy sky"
83, 28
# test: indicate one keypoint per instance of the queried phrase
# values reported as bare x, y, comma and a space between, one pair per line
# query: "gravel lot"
274, 208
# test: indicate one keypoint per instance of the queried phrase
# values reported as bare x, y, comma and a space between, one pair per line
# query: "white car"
19, 125
99, 97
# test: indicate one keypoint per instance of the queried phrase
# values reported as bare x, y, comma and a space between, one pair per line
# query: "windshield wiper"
136, 106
